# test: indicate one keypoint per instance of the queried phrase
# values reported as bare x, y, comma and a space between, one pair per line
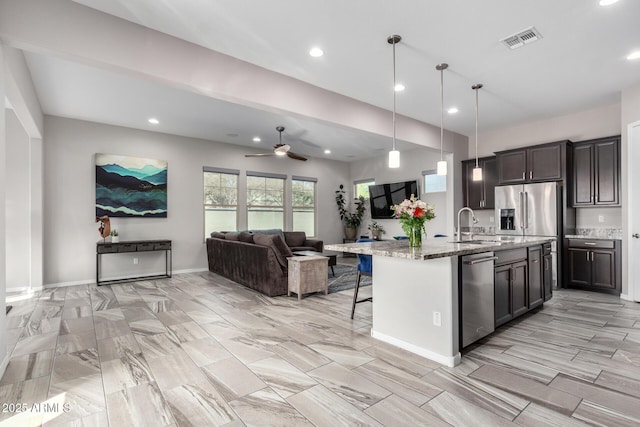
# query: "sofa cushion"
217, 235
295, 238
245, 237
274, 241
269, 232
303, 248
232, 236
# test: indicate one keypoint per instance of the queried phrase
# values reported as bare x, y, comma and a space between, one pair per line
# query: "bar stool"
365, 267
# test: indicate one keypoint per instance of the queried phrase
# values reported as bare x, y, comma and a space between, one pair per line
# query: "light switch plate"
600, 218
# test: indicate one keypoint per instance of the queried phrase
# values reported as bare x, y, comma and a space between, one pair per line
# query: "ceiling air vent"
522, 38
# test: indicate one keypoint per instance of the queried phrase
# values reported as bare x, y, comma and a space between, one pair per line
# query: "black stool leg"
355, 294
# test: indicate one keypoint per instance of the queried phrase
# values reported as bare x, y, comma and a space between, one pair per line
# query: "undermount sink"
477, 242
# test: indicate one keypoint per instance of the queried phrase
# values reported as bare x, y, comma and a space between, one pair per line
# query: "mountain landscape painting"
130, 187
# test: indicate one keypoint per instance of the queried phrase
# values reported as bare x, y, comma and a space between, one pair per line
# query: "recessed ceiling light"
607, 2
316, 52
399, 87
452, 110
327, 151
634, 55
154, 121
256, 139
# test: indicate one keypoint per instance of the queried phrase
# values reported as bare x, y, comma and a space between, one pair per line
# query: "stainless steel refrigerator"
531, 210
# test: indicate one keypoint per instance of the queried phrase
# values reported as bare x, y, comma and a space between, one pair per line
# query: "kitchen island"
415, 290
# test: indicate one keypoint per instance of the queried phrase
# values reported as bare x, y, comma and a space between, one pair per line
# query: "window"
304, 204
265, 201
220, 200
434, 183
362, 187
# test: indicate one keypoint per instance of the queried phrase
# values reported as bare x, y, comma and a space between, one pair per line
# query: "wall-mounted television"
383, 196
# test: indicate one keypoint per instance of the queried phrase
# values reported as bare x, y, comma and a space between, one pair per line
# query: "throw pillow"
245, 237
232, 236
270, 231
217, 235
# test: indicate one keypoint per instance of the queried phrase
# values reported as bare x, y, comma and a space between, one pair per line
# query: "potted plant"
352, 220
114, 236
376, 230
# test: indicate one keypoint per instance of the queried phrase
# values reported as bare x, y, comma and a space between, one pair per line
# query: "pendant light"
477, 171
442, 164
394, 155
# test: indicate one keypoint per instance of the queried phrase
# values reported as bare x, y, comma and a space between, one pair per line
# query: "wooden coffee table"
332, 258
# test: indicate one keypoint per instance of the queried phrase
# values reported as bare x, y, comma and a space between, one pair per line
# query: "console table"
133, 246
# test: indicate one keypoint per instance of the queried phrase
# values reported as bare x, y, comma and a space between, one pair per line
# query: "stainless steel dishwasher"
477, 294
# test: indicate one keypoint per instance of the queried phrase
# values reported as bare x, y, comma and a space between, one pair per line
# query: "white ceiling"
579, 63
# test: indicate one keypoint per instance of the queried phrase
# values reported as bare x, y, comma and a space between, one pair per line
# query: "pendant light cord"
476, 89
394, 95
441, 111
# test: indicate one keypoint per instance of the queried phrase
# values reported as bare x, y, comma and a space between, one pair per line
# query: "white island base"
406, 294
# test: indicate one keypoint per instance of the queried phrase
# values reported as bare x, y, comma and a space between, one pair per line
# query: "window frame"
371, 181
315, 202
428, 172
225, 171
266, 175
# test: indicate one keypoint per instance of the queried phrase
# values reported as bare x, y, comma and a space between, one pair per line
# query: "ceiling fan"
280, 149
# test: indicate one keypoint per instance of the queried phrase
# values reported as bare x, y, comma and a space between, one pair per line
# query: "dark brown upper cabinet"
479, 194
596, 172
539, 163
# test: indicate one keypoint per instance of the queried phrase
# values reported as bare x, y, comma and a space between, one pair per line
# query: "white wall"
69, 194
18, 219
596, 123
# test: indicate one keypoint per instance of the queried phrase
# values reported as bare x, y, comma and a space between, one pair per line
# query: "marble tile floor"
200, 350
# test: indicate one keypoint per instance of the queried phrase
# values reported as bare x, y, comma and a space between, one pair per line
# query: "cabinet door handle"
530, 174
523, 178
635, 236
590, 243
546, 267
588, 256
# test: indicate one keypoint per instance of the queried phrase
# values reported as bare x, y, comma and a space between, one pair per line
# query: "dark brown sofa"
258, 261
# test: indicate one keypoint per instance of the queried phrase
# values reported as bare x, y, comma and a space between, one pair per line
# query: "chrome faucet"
473, 218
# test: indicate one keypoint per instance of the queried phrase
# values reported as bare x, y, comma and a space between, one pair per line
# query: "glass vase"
415, 236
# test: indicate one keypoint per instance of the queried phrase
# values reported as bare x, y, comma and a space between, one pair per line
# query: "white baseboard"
91, 281
626, 297
450, 361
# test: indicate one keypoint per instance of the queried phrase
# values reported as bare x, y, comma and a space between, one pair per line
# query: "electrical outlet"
600, 218
437, 318
135, 260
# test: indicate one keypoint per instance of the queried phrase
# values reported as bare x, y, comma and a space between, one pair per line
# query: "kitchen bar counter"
438, 248
415, 291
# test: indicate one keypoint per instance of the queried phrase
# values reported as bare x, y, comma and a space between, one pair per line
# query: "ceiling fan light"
477, 174
280, 153
394, 159
441, 167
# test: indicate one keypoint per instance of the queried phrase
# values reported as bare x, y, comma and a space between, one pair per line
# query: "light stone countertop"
596, 234
437, 248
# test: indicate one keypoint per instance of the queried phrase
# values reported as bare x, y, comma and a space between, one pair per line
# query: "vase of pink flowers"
413, 213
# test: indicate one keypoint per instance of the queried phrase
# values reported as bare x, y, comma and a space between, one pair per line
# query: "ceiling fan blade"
296, 156
260, 155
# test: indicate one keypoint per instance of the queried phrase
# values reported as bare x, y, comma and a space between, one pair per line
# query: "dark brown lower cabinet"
536, 289
594, 265
547, 272
511, 296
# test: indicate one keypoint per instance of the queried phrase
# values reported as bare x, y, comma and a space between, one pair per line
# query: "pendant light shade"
477, 171
442, 164
394, 155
